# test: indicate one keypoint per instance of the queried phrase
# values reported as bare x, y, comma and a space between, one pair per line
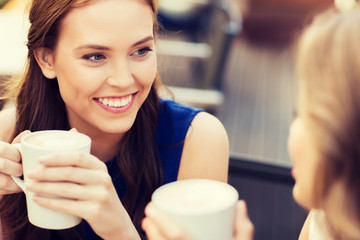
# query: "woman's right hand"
10, 166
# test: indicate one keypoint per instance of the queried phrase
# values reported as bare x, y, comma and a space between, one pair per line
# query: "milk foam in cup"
203, 208
57, 140
34, 145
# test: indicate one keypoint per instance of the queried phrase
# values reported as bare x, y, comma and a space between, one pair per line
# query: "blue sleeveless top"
173, 123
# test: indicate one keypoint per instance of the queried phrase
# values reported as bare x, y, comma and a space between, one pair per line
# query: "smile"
116, 104
116, 101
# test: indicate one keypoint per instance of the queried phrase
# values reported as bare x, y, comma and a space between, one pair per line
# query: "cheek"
146, 72
79, 80
306, 171
293, 144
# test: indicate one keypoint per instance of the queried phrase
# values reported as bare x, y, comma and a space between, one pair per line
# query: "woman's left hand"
87, 190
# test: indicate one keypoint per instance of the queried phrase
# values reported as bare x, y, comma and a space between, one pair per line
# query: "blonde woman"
324, 140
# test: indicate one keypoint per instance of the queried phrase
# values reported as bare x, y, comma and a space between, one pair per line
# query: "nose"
121, 75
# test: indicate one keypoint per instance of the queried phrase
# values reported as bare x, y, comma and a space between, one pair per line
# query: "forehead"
108, 19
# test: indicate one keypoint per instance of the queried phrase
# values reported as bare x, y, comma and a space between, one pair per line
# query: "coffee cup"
202, 208
31, 147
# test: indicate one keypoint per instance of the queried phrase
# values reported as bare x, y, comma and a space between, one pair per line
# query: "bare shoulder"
8, 121
206, 149
207, 124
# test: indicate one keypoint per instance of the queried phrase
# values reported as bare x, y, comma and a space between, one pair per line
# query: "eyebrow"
93, 46
99, 47
149, 38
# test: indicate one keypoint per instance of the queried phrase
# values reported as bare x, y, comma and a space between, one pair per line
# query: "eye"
95, 57
142, 52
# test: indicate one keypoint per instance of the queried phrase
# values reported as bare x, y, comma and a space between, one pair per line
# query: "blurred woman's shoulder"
317, 228
8, 122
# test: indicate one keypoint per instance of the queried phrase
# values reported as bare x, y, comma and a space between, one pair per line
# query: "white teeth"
121, 102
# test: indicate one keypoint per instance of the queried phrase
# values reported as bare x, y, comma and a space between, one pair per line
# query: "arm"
205, 155
206, 150
8, 121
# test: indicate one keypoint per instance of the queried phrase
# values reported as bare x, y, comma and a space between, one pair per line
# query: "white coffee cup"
203, 208
34, 145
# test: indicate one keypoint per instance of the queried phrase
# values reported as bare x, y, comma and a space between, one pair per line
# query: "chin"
301, 198
116, 130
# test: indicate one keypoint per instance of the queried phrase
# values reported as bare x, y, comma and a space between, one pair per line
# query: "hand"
158, 227
10, 166
243, 227
87, 190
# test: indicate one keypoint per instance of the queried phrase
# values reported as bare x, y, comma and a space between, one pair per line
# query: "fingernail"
242, 207
150, 210
42, 159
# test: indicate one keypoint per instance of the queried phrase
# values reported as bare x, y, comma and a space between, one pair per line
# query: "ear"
44, 57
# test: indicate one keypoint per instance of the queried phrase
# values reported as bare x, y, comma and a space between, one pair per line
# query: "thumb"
18, 137
73, 130
244, 228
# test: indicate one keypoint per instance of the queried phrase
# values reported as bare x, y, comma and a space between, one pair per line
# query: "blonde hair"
328, 65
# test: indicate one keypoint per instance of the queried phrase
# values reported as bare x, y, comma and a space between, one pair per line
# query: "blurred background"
235, 58
239, 64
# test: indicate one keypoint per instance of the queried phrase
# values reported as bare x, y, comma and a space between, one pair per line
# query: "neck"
105, 148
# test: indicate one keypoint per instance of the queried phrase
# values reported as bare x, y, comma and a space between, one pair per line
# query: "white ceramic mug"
34, 145
204, 209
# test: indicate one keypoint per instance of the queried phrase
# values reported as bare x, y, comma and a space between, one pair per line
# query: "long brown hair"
329, 83
39, 107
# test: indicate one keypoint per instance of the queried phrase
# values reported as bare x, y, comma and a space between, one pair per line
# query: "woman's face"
105, 64
302, 150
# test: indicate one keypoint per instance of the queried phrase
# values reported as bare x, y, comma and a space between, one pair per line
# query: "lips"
116, 104
293, 173
116, 101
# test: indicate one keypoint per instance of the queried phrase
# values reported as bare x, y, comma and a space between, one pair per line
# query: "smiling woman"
92, 67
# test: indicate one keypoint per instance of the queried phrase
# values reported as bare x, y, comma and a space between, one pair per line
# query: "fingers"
160, 227
244, 229
73, 130
71, 191
10, 160
10, 166
7, 185
75, 159
92, 206
83, 209
10, 157
72, 174
18, 137
151, 229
